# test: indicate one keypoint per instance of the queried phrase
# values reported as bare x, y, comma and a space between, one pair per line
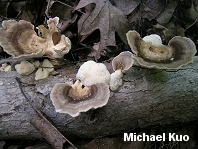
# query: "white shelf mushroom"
92, 73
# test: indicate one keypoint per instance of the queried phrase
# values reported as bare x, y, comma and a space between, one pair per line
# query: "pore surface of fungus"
77, 98
91, 73
150, 53
19, 39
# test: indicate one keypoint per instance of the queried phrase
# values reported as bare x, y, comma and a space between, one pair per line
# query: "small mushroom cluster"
91, 90
151, 53
26, 68
21, 41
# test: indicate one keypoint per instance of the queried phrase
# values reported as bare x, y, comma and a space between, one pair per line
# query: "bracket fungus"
151, 53
24, 68
19, 39
77, 98
92, 73
120, 64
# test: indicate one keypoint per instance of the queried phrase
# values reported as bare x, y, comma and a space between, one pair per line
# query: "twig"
41, 115
27, 99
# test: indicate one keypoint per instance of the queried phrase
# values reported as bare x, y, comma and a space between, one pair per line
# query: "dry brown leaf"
50, 133
165, 33
3, 8
105, 17
127, 6
63, 11
164, 17
188, 15
152, 8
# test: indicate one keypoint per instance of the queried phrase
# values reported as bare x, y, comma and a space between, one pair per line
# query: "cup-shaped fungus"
91, 73
151, 53
120, 64
77, 98
20, 40
123, 61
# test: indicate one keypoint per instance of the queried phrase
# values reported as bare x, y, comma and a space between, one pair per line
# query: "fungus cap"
24, 68
48, 65
44, 71
92, 73
179, 51
79, 99
21, 41
123, 61
41, 73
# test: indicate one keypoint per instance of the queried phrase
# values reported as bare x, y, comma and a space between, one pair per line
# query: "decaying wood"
147, 98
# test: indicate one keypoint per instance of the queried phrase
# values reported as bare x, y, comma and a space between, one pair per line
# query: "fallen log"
147, 98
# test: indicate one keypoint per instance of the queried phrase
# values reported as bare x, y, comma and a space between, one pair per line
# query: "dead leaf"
165, 33
94, 52
164, 17
105, 17
3, 8
150, 8
147, 11
188, 16
63, 11
126, 6
50, 133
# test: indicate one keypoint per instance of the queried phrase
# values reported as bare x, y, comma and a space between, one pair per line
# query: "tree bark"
147, 98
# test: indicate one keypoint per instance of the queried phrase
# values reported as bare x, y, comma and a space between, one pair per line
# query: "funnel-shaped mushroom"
75, 99
151, 54
20, 40
120, 64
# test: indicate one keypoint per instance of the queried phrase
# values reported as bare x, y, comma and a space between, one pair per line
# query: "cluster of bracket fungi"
94, 82
149, 52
